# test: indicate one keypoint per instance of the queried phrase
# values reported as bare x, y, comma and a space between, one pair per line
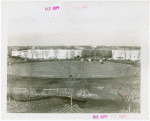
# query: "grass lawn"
106, 70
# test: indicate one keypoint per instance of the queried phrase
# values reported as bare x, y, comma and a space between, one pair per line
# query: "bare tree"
120, 77
103, 52
113, 89
70, 70
128, 91
30, 69
88, 53
130, 94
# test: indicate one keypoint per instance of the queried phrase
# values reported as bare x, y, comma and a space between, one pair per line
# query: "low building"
126, 55
15, 53
48, 54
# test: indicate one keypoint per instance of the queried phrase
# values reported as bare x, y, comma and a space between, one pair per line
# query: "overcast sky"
101, 23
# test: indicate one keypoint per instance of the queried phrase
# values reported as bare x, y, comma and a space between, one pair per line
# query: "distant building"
126, 54
93, 46
48, 54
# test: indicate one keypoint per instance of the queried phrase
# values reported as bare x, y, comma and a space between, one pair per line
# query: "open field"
42, 69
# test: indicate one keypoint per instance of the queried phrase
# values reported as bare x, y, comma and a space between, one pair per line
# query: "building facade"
48, 54
126, 54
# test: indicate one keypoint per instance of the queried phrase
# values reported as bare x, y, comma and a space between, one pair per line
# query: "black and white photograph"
73, 57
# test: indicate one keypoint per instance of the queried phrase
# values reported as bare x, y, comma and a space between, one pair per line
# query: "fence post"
30, 92
43, 93
16, 104
71, 102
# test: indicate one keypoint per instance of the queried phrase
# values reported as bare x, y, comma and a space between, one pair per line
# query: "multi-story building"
48, 54
126, 54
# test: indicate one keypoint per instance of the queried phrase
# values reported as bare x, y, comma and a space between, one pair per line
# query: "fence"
100, 76
19, 90
57, 92
50, 76
97, 76
45, 92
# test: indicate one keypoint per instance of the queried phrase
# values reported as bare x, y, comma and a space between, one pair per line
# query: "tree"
129, 94
120, 77
126, 87
103, 52
30, 69
84, 54
11, 81
88, 52
70, 70
129, 91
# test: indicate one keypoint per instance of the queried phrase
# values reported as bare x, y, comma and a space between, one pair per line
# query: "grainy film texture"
74, 57
83, 81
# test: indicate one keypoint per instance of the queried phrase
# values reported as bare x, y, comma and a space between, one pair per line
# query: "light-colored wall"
126, 54
46, 54
15, 53
78, 53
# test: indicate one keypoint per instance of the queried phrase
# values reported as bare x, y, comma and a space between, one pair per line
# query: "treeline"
100, 53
